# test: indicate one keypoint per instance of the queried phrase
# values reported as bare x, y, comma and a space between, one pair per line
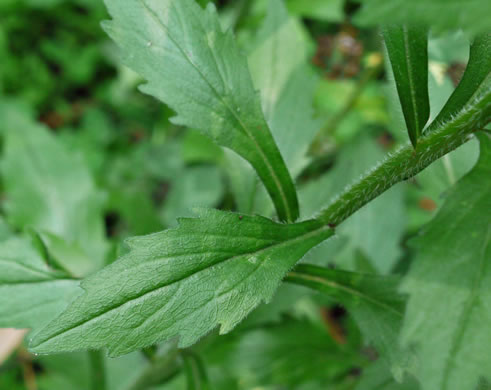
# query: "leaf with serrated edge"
184, 282
407, 47
198, 70
31, 294
449, 284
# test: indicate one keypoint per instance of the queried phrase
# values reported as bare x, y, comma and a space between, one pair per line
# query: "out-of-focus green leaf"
372, 300
328, 10
449, 286
441, 15
407, 47
195, 370
31, 294
379, 377
195, 187
197, 69
286, 354
49, 188
478, 69
210, 271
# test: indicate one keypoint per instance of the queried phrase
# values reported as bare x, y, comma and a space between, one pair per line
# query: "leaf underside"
210, 271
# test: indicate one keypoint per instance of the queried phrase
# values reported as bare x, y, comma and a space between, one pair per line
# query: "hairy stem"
98, 370
408, 162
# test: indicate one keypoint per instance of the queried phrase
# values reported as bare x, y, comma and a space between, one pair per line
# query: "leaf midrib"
407, 57
220, 98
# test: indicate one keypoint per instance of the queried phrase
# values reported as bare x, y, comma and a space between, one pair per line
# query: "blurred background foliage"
87, 160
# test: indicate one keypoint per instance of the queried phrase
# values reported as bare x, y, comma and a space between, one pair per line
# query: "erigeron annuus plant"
214, 269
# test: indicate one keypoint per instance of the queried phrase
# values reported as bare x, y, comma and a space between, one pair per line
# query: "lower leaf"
212, 270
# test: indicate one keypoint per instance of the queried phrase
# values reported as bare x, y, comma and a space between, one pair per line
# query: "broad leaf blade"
407, 47
210, 271
195, 68
449, 285
478, 69
31, 294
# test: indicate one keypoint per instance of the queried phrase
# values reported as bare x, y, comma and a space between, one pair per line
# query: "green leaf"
378, 377
441, 15
195, 68
478, 69
279, 69
31, 294
407, 47
278, 63
49, 188
372, 300
200, 186
327, 10
184, 282
287, 354
449, 286
196, 376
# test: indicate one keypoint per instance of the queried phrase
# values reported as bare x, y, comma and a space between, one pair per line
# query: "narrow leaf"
449, 283
198, 70
31, 294
373, 301
210, 271
407, 47
478, 69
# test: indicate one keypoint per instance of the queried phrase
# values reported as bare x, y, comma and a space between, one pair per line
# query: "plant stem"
408, 162
98, 371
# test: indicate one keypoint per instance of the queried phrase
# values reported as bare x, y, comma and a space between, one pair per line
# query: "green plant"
175, 287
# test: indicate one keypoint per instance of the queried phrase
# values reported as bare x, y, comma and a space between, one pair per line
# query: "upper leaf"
279, 69
182, 282
48, 188
449, 284
476, 72
195, 68
407, 47
31, 294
